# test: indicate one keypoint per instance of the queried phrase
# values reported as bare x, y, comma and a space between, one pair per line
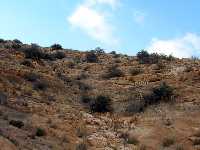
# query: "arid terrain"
62, 99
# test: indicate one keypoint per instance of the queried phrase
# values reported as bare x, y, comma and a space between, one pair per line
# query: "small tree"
56, 47
17, 41
143, 56
99, 50
2, 41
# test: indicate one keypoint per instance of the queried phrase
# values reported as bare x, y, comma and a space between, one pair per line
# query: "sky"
125, 26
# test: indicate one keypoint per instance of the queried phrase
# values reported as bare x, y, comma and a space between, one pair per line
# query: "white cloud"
139, 17
93, 22
183, 47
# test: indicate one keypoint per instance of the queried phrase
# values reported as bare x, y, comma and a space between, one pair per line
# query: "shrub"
17, 41
40, 132
16, 46
40, 85
113, 71
135, 107
132, 140
99, 50
162, 93
31, 77
27, 63
83, 86
91, 57
143, 57
2, 41
34, 52
135, 71
3, 98
86, 99
56, 47
16, 123
113, 52
59, 55
101, 104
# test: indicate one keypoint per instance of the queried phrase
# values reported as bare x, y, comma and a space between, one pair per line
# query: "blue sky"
126, 26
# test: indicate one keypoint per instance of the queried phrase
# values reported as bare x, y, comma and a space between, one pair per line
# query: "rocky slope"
48, 101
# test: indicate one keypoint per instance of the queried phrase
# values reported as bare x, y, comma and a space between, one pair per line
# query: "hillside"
61, 99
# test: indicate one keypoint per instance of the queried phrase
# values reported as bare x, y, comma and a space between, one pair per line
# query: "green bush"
98, 50
101, 104
2, 41
91, 57
56, 47
17, 41
143, 57
40, 132
113, 52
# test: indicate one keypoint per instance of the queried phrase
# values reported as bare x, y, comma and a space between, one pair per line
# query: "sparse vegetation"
69, 103
101, 104
145, 58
